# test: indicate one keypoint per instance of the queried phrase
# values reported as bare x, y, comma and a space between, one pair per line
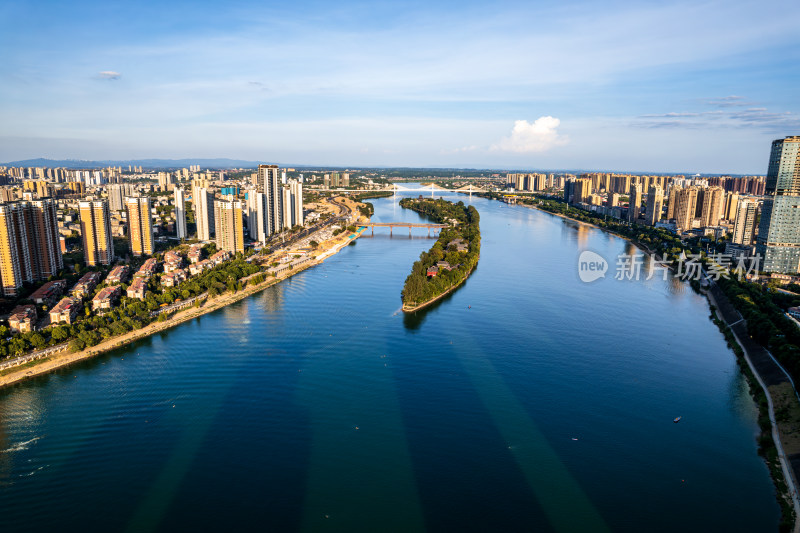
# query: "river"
525, 401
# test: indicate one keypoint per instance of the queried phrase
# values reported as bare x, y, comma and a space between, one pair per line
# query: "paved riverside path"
33, 356
768, 371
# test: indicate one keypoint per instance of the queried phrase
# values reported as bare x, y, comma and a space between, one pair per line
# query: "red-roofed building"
49, 293
65, 311
106, 298
23, 318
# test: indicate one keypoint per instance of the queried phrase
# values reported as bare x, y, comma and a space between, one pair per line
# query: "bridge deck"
401, 225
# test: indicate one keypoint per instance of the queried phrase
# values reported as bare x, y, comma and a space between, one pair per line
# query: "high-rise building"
634, 201
203, 204
45, 245
779, 230
180, 212
569, 190
655, 201
273, 198
745, 224
252, 214
731, 206
287, 208
98, 245
140, 225
116, 197
685, 207
581, 191
228, 218
166, 180
15, 260
296, 190
713, 204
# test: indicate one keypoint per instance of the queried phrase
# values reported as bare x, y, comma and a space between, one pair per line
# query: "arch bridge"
409, 225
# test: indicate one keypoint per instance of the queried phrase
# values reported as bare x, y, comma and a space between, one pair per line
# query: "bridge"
395, 188
433, 189
409, 225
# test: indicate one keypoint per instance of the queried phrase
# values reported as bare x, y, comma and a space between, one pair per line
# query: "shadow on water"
413, 321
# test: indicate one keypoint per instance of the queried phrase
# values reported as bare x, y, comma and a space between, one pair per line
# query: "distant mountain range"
226, 163
145, 163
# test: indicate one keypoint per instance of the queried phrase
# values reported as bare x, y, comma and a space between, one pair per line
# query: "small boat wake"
21, 446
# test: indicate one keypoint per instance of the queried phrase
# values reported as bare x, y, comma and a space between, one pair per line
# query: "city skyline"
415, 85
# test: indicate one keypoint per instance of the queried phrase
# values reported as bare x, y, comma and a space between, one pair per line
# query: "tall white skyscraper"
203, 203
180, 212
296, 196
287, 208
273, 198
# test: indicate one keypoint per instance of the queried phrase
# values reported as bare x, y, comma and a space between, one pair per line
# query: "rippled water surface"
316, 405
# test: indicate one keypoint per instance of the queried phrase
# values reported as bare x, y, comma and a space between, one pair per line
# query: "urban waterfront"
526, 400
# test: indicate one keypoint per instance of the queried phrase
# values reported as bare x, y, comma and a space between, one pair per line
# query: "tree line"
418, 287
130, 314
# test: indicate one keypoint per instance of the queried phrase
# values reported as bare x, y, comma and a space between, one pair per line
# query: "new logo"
591, 266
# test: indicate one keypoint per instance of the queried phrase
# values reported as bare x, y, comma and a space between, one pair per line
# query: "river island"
450, 260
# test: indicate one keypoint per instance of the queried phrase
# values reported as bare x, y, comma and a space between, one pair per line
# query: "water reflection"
272, 298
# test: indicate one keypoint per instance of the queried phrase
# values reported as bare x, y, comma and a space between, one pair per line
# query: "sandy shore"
64, 359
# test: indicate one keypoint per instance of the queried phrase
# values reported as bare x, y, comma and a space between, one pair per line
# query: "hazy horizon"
671, 87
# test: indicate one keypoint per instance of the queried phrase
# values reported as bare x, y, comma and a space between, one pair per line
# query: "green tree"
38, 341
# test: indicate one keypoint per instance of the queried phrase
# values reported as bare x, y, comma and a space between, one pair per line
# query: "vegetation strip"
450, 260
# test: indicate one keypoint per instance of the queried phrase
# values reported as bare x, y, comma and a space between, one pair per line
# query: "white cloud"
109, 75
539, 136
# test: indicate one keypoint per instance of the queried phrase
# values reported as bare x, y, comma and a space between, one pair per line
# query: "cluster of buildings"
64, 307
42, 208
33, 230
269, 207
760, 215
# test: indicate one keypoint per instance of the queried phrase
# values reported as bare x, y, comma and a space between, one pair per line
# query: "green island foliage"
368, 209
465, 224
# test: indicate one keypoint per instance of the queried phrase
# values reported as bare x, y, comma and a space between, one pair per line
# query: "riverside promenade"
773, 380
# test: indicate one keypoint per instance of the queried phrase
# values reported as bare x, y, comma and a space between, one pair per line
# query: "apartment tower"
98, 246
655, 202
745, 224
180, 212
779, 230
228, 218
140, 225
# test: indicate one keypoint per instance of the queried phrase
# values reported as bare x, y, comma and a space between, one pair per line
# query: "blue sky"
639, 86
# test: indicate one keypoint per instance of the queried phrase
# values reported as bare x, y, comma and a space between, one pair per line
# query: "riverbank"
639, 245
782, 453
63, 360
778, 389
411, 309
